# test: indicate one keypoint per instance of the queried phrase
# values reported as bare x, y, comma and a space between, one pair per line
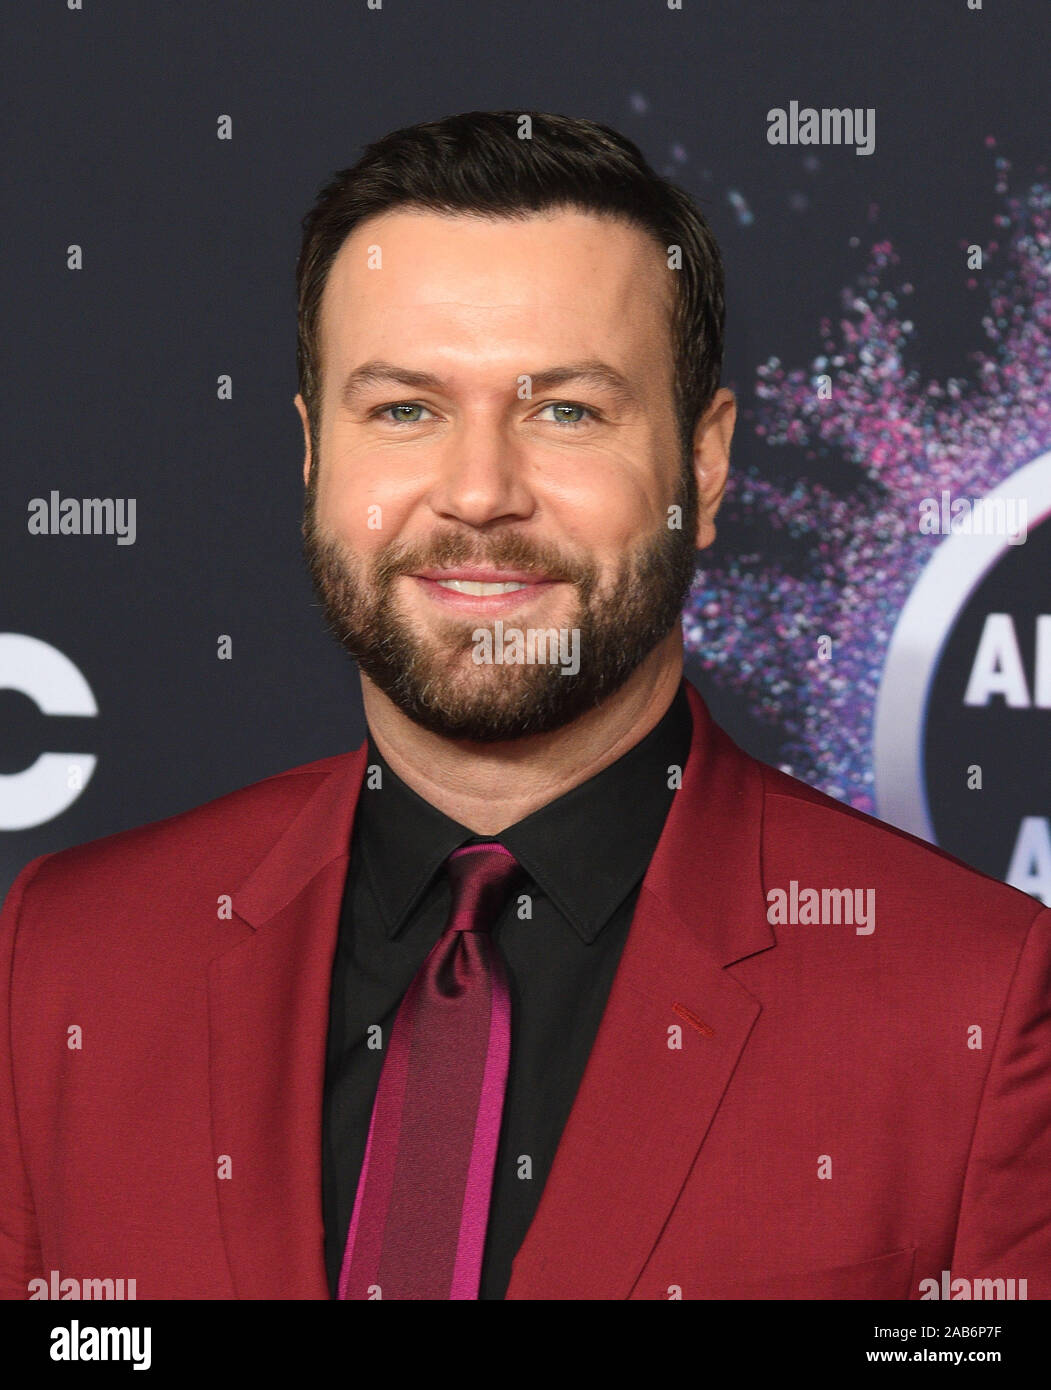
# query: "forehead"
563, 278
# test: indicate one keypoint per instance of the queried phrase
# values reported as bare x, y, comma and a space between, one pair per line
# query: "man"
547, 990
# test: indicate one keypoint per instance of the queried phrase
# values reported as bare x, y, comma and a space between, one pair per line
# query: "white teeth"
470, 586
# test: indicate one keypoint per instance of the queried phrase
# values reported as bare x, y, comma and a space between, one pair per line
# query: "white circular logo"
51, 785
955, 572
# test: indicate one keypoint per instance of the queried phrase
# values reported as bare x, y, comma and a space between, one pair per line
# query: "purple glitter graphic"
857, 551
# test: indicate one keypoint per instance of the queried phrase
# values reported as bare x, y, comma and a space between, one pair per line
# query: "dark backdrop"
189, 245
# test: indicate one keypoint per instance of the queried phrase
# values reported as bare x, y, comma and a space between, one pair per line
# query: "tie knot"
480, 876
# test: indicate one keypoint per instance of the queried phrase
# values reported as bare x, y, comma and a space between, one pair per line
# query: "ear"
711, 461
301, 407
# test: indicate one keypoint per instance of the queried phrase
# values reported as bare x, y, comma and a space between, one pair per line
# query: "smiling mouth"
474, 586
482, 581
482, 593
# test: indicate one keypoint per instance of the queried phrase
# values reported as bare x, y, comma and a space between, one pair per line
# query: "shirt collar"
586, 850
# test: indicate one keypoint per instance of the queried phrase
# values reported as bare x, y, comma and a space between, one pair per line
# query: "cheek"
361, 526
361, 505
608, 513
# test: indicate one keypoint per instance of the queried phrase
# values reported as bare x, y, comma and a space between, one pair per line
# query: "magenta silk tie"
422, 1205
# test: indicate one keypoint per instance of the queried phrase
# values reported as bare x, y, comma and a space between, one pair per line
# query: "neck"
489, 786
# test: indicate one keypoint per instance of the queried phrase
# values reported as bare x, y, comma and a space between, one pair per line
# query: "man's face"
459, 455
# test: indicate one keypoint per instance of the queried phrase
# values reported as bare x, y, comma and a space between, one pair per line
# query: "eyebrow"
591, 372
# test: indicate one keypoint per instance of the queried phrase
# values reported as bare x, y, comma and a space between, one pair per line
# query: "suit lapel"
268, 1024
643, 1108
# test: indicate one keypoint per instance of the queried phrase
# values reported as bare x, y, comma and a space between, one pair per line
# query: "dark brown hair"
477, 163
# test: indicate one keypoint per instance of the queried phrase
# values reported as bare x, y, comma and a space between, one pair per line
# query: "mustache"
515, 553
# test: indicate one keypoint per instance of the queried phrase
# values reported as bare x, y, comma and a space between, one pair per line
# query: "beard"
430, 674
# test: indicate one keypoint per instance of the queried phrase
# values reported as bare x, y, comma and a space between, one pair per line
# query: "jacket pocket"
883, 1277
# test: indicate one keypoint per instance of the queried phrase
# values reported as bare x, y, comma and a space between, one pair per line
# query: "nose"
481, 475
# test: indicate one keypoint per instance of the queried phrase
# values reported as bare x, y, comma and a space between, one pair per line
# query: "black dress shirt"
585, 855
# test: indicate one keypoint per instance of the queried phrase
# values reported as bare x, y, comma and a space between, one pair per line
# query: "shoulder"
218, 841
807, 832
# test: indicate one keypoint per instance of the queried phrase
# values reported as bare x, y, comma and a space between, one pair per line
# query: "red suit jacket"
771, 1109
